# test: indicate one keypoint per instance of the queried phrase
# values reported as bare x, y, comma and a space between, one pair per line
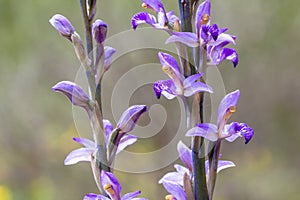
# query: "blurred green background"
36, 124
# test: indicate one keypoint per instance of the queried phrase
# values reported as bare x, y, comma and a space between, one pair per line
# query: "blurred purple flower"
163, 19
221, 131
176, 191
99, 30
208, 36
89, 147
74, 92
62, 25
113, 189
177, 85
185, 155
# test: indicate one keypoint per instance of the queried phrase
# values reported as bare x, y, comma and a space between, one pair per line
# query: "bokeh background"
36, 125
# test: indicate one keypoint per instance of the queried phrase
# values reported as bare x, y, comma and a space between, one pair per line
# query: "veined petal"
168, 60
77, 155
175, 189
187, 38
107, 129
143, 17
235, 130
156, 5
99, 30
109, 179
230, 100
174, 177
129, 117
197, 87
223, 40
93, 196
229, 54
181, 169
85, 142
191, 87
166, 88
125, 141
185, 155
206, 130
131, 195
74, 92
202, 15
224, 164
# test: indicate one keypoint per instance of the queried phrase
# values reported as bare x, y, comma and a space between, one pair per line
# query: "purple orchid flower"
221, 131
113, 189
163, 19
185, 155
177, 85
89, 147
208, 36
62, 25
74, 92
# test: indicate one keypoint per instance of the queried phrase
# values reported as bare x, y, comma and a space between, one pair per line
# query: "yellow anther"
204, 19
108, 188
169, 197
232, 109
144, 5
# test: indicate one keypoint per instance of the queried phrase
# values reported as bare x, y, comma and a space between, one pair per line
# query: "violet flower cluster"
196, 178
208, 45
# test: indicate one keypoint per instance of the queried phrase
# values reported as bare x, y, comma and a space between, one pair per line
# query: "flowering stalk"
200, 187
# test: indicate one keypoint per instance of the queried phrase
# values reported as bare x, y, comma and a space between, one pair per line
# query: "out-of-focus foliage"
36, 124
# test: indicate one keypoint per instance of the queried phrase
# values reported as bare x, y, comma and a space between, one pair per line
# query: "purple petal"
77, 155
168, 60
74, 92
228, 54
125, 141
93, 196
236, 129
191, 87
206, 130
109, 178
187, 38
185, 155
174, 177
202, 12
224, 164
99, 30
175, 189
142, 18
230, 100
129, 117
62, 25
223, 40
166, 88
131, 195
107, 129
156, 5
108, 53
85, 142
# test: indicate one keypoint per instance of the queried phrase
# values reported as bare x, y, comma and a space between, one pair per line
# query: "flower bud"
99, 30
129, 118
74, 92
62, 25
